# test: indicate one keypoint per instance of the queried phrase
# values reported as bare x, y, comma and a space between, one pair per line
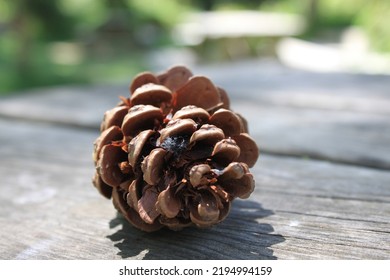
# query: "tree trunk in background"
20, 27
312, 15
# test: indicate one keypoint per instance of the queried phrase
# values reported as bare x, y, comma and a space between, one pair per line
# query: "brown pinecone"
174, 154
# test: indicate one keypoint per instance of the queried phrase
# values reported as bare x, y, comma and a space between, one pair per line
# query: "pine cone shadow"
240, 236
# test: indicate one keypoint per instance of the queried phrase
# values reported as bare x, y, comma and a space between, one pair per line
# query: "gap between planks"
266, 151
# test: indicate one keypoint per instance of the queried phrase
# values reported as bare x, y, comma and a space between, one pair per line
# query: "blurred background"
46, 43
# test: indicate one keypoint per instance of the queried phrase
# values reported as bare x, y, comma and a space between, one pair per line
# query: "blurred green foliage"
50, 42
54, 42
371, 16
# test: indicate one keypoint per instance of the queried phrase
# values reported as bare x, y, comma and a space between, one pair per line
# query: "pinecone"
174, 154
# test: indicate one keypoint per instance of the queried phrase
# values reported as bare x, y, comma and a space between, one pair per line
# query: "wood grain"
301, 208
345, 137
271, 83
339, 117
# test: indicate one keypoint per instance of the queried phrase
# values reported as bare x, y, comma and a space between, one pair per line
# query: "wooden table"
322, 180
233, 34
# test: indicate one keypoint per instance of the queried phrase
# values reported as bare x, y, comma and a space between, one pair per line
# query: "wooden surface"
322, 181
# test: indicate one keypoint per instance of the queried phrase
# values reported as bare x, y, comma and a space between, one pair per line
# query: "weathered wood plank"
301, 208
266, 82
347, 137
78, 106
325, 207
271, 83
338, 117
